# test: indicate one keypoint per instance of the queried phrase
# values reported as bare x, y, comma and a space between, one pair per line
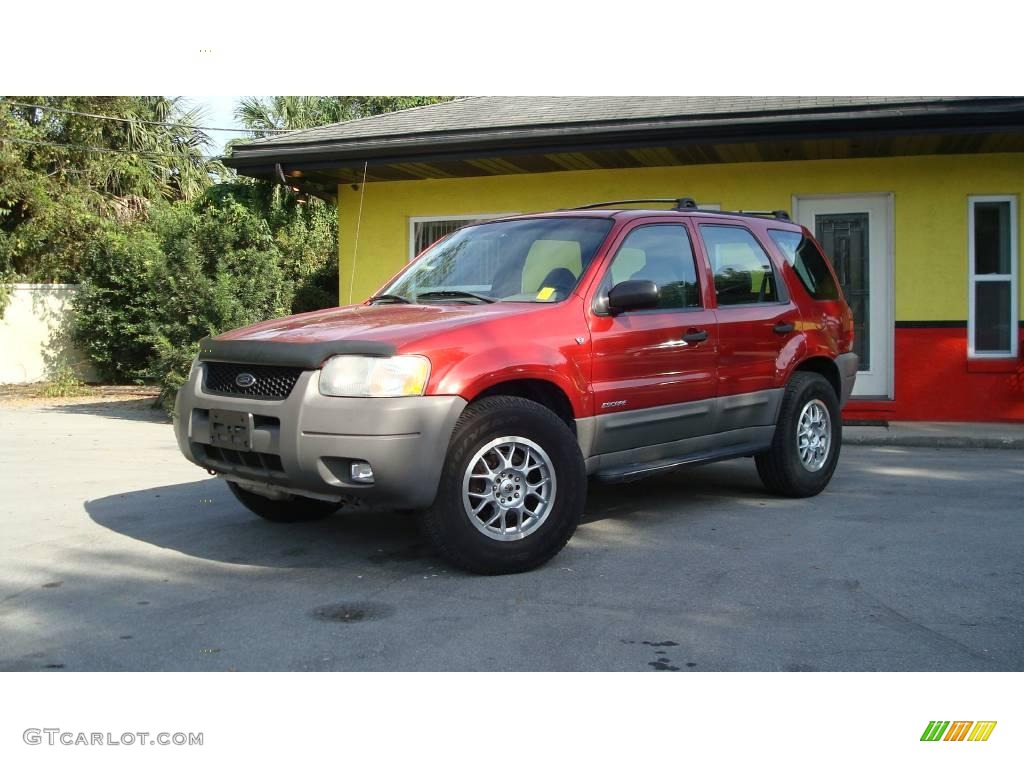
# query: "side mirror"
633, 294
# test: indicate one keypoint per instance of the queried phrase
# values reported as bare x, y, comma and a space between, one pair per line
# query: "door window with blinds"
994, 264
424, 231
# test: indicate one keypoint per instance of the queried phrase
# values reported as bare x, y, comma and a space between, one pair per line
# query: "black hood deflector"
308, 356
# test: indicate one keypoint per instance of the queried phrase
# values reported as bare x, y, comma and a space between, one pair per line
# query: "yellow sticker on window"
545, 293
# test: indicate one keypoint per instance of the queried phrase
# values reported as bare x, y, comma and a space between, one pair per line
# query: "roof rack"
681, 203
685, 204
779, 214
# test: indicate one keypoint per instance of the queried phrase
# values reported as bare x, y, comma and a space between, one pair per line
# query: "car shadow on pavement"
141, 409
202, 519
686, 490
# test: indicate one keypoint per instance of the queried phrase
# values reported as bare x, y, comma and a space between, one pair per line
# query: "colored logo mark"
958, 730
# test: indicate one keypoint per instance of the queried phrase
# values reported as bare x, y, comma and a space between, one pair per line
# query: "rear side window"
807, 262
743, 272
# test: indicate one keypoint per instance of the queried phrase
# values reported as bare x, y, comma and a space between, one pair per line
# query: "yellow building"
915, 199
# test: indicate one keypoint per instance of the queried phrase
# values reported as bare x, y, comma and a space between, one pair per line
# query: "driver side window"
662, 253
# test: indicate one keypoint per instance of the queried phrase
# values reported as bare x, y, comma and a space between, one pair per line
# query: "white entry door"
855, 232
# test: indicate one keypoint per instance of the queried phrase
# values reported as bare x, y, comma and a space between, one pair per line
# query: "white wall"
35, 334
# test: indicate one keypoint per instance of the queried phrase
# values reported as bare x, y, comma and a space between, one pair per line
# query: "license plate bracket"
231, 429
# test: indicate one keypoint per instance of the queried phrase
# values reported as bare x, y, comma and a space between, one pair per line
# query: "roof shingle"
536, 126
501, 112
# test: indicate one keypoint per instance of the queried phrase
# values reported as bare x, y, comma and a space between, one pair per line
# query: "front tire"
296, 509
512, 490
808, 436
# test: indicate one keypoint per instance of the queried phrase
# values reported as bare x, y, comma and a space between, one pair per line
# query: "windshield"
533, 260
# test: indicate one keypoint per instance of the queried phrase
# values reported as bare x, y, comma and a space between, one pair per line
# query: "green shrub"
221, 270
305, 234
241, 254
116, 307
6, 289
170, 368
318, 290
64, 383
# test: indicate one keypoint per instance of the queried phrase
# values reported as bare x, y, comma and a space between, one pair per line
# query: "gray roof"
494, 126
497, 112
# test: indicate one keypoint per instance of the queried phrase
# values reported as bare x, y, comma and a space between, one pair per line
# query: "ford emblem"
245, 380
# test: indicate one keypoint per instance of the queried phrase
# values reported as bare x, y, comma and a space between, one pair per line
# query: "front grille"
240, 459
273, 382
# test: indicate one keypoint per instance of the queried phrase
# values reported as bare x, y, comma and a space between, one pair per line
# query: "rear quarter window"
808, 263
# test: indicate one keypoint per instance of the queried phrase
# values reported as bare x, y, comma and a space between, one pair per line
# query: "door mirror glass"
633, 294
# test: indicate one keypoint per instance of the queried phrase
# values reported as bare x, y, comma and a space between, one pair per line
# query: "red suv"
513, 359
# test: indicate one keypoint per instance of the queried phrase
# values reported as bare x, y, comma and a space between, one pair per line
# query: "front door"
854, 231
653, 371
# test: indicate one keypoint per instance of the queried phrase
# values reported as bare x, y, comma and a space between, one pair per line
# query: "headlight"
358, 376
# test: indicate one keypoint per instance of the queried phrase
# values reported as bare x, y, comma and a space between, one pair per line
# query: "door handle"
695, 336
783, 328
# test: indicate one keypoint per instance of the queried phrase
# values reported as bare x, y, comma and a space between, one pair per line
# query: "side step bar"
628, 473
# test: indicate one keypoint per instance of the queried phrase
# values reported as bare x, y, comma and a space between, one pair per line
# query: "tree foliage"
237, 255
168, 245
268, 113
62, 175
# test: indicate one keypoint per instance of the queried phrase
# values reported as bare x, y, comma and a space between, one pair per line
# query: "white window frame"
974, 279
414, 220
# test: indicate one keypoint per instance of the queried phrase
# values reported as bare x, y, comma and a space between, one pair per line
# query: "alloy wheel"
814, 435
509, 488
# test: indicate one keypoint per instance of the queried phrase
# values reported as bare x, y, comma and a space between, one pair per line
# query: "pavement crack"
934, 633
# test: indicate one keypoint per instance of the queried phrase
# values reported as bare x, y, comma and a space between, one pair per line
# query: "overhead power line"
84, 148
143, 122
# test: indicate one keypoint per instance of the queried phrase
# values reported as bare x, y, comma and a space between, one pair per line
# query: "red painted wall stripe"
935, 382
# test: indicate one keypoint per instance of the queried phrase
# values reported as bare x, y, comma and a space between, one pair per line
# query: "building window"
994, 260
424, 231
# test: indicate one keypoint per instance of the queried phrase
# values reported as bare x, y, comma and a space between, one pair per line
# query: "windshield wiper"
390, 297
455, 295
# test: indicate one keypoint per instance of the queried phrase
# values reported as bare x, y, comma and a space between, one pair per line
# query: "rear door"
756, 320
654, 370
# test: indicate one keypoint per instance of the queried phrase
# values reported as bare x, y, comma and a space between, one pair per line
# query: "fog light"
362, 472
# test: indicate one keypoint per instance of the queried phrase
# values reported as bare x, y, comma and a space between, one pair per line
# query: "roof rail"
680, 203
779, 214
685, 204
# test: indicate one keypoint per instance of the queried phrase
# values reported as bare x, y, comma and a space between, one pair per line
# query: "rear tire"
297, 509
808, 436
512, 490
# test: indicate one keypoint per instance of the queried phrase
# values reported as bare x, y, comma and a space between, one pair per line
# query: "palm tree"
144, 146
265, 114
174, 155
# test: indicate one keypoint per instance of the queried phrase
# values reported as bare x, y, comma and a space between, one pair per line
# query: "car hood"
396, 324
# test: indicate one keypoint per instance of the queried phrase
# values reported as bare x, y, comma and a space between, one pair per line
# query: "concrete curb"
881, 436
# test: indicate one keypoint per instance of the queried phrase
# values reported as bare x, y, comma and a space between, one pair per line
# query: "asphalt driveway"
117, 554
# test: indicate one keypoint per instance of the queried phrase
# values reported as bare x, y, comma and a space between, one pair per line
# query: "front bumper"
306, 443
847, 364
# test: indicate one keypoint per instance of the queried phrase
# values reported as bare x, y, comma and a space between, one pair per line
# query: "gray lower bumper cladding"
847, 363
307, 443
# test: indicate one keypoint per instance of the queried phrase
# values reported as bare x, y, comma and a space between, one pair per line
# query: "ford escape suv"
509, 362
